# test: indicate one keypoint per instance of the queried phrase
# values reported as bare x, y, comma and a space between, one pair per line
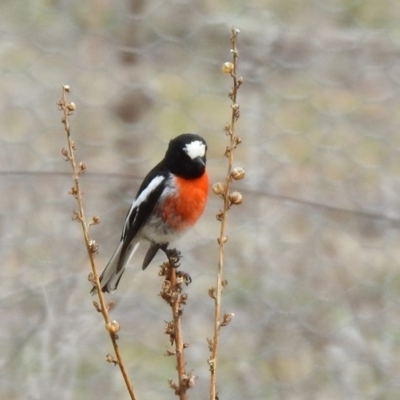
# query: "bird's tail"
113, 271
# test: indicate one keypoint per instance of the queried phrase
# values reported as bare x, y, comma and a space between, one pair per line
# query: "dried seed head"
227, 67
211, 292
236, 198
227, 319
73, 191
82, 167
218, 188
66, 88
220, 215
183, 299
238, 173
169, 328
91, 277
71, 106
95, 220
113, 327
65, 154
188, 380
111, 359
222, 240
93, 247
211, 363
97, 306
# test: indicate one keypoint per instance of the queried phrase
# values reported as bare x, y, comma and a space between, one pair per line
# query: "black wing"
146, 199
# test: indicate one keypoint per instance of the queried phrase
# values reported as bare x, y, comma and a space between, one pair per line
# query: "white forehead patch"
195, 149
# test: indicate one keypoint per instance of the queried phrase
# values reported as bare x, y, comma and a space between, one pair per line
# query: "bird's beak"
200, 161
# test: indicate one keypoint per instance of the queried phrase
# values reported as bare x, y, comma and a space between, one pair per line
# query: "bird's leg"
173, 255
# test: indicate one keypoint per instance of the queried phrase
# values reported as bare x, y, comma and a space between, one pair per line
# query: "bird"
170, 200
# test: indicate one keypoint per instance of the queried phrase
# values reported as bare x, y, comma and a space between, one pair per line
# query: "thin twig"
172, 293
91, 247
229, 198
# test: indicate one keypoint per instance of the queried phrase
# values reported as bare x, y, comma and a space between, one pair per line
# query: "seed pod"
236, 198
227, 319
218, 188
113, 327
238, 173
71, 106
227, 67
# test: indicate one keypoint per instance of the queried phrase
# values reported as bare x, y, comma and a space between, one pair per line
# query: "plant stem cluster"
174, 279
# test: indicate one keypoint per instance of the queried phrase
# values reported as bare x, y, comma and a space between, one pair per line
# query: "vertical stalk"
172, 293
91, 247
223, 189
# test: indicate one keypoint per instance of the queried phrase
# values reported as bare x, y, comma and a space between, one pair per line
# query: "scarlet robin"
170, 200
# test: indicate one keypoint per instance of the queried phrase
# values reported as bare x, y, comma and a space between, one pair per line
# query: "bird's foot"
184, 277
173, 255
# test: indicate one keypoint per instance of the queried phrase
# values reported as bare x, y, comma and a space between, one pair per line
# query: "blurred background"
313, 254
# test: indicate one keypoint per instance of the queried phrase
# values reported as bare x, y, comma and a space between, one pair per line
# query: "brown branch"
229, 198
172, 293
91, 247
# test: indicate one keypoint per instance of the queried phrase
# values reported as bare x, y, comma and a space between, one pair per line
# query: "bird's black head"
186, 156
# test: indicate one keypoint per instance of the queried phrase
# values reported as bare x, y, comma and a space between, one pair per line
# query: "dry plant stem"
233, 142
172, 293
67, 109
179, 346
